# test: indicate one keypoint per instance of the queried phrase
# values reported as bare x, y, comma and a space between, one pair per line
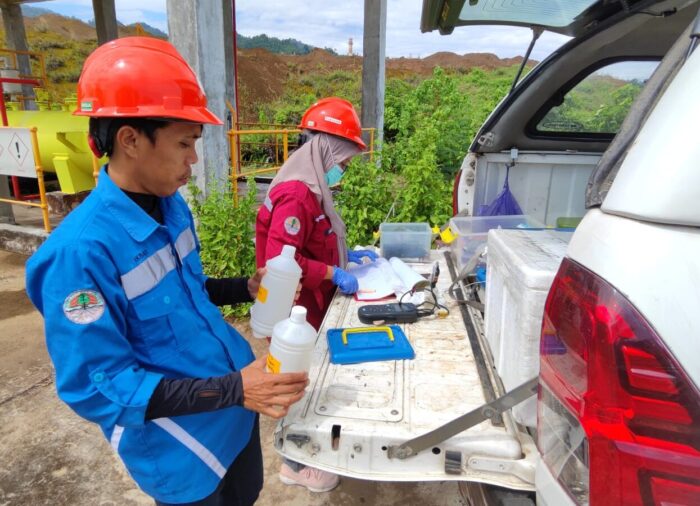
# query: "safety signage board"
16, 154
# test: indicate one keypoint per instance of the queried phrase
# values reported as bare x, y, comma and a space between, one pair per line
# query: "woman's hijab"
309, 164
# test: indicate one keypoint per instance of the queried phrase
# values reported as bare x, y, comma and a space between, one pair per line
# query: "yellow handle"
357, 330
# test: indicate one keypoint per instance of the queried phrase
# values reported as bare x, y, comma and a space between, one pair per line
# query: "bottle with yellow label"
292, 344
276, 293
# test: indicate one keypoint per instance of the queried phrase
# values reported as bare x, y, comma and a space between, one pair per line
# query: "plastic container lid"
288, 251
298, 314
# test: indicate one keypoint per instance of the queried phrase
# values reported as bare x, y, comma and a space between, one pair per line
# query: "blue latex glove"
345, 281
357, 256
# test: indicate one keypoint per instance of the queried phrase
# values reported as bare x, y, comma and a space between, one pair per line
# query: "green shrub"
365, 199
54, 63
425, 194
226, 234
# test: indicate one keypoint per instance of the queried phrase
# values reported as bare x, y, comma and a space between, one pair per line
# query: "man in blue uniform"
132, 328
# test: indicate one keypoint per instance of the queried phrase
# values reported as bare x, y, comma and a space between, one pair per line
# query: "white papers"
410, 279
383, 278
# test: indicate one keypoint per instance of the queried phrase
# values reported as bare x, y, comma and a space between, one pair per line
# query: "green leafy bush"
226, 234
54, 63
425, 195
365, 199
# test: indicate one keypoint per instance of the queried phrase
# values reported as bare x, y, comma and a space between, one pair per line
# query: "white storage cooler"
521, 265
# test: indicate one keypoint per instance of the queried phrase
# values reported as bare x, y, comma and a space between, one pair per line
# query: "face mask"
334, 175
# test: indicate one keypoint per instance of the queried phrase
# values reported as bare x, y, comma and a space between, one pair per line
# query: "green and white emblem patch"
292, 225
84, 306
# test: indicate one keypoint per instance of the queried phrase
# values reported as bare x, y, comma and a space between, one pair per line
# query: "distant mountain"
32, 12
272, 44
146, 28
151, 29
275, 45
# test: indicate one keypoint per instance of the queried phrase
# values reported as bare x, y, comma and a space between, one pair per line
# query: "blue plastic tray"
368, 344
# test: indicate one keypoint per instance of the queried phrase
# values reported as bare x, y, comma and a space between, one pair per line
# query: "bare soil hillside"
262, 74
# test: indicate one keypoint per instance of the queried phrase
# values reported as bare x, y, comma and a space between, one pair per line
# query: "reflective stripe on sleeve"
192, 444
268, 204
116, 437
185, 244
148, 273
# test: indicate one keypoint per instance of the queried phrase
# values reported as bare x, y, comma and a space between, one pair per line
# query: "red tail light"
619, 420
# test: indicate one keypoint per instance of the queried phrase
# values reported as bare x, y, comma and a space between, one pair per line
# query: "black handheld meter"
388, 313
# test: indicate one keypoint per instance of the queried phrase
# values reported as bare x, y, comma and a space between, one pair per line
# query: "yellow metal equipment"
64, 147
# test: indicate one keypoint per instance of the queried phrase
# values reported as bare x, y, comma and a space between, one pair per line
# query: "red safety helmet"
141, 77
335, 116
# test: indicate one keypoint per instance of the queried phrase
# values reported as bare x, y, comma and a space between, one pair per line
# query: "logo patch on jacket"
84, 306
292, 225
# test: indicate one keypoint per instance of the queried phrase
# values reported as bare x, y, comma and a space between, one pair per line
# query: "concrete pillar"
373, 75
105, 20
196, 29
16, 38
6, 214
229, 56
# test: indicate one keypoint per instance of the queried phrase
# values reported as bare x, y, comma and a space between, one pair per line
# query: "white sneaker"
313, 479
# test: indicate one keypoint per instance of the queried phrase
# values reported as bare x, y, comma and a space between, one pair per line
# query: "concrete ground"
50, 456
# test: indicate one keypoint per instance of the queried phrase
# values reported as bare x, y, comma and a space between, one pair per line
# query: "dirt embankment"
262, 74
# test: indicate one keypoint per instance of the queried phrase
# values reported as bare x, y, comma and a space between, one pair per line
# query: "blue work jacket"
124, 305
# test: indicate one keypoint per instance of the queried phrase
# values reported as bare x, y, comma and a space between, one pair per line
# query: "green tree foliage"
425, 194
597, 104
273, 44
609, 117
367, 195
226, 234
454, 104
304, 89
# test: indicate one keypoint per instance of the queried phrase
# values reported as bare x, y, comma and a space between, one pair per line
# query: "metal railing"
271, 148
43, 205
32, 55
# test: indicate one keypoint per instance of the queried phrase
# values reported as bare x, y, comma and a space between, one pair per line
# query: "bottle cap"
288, 251
298, 314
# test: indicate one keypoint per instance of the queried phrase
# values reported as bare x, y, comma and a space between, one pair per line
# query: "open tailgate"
570, 17
352, 414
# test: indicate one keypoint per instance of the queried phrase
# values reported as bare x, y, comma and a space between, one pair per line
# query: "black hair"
305, 136
104, 130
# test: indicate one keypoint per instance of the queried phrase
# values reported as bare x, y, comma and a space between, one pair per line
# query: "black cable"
662, 14
435, 305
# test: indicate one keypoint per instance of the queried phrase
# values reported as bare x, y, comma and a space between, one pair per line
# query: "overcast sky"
329, 23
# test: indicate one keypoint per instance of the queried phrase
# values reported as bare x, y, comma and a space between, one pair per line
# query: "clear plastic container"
276, 293
472, 232
292, 344
405, 240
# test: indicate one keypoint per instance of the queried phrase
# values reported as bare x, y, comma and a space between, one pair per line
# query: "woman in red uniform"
299, 211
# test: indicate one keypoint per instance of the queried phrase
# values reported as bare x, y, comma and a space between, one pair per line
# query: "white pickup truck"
617, 393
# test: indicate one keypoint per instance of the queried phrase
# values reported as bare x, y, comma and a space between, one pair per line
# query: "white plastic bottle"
276, 293
292, 344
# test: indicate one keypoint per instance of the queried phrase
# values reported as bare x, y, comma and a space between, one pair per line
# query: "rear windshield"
537, 12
